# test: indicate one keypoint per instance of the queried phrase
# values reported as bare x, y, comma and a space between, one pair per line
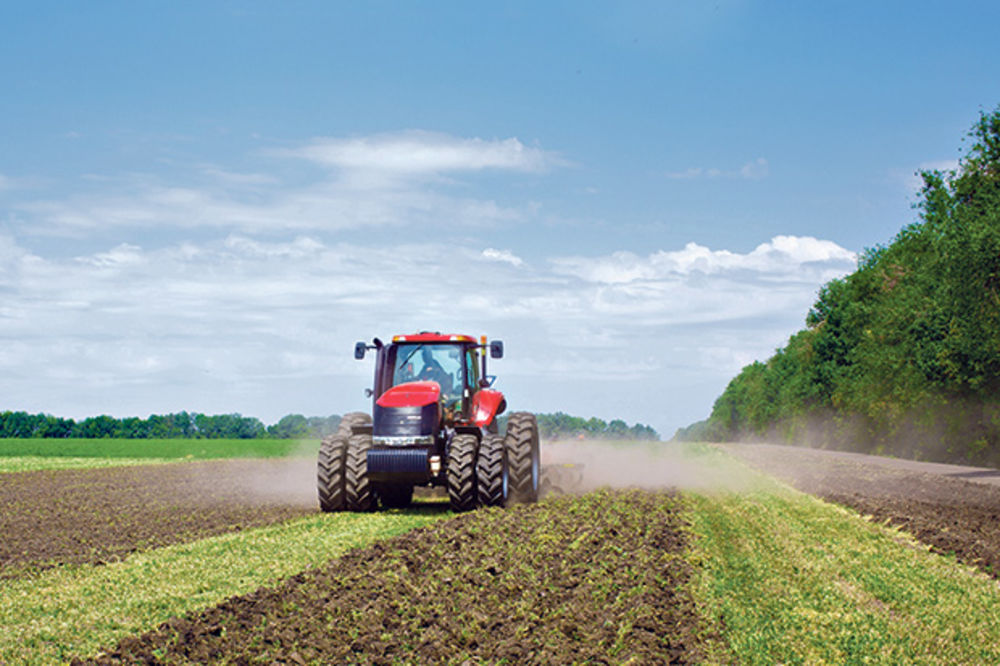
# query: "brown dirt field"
101, 515
951, 515
594, 579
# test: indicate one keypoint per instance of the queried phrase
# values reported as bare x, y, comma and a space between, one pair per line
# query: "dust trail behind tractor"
579, 466
561, 478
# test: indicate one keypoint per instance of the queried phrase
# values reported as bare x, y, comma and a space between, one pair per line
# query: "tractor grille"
399, 464
406, 421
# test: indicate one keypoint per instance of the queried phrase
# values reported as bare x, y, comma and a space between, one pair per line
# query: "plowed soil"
100, 515
952, 515
597, 579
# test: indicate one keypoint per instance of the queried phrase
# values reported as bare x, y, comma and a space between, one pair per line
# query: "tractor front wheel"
523, 456
492, 471
351, 419
358, 495
462, 472
330, 473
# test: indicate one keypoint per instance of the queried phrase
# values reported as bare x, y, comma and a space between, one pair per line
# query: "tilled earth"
95, 516
952, 515
596, 579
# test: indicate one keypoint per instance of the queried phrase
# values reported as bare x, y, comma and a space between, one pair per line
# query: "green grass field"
165, 449
788, 578
35, 463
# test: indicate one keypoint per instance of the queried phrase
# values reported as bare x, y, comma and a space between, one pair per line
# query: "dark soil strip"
950, 515
93, 516
598, 579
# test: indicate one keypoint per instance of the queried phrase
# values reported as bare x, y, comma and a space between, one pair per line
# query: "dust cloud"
955, 432
259, 482
572, 466
290, 481
583, 465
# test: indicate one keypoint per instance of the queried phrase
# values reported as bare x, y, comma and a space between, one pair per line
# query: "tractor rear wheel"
492, 472
351, 419
330, 473
358, 495
523, 456
395, 496
462, 472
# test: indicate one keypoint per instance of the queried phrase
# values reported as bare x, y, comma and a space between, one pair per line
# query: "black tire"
351, 419
523, 457
358, 495
492, 474
395, 496
330, 473
462, 472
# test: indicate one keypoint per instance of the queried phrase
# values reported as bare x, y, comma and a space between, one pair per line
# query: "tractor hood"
411, 394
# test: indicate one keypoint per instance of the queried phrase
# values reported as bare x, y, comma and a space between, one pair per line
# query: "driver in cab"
432, 371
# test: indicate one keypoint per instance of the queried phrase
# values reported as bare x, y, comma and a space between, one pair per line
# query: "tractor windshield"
441, 363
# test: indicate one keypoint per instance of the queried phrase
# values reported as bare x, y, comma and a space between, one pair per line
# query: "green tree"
98, 427
291, 426
903, 354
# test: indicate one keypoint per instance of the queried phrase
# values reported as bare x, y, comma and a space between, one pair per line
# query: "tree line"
902, 356
564, 426
193, 425
182, 425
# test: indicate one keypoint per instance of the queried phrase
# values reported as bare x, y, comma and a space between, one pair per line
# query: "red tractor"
433, 423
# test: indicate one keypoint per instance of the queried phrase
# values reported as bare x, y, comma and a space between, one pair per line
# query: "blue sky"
204, 204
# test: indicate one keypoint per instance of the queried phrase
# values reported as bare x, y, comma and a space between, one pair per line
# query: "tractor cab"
450, 365
448, 371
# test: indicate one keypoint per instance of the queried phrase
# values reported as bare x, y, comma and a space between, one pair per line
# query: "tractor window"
472, 369
441, 363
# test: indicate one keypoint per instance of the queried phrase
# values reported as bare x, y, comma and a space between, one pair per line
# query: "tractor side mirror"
496, 349
359, 350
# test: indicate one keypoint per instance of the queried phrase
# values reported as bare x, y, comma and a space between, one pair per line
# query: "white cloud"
420, 152
265, 326
796, 258
238, 179
689, 173
502, 255
6, 183
261, 318
754, 170
118, 257
321, 206
384, 180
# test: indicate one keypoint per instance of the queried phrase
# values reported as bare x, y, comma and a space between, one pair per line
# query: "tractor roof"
427, 336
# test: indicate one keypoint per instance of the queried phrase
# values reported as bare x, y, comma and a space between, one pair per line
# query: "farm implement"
434, 423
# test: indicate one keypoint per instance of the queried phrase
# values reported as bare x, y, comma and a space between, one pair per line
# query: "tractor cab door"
471, 374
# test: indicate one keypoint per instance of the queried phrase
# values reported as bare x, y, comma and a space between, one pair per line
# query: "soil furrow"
94, 516
595, 579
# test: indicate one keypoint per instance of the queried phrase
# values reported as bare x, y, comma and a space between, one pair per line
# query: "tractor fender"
487, 404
